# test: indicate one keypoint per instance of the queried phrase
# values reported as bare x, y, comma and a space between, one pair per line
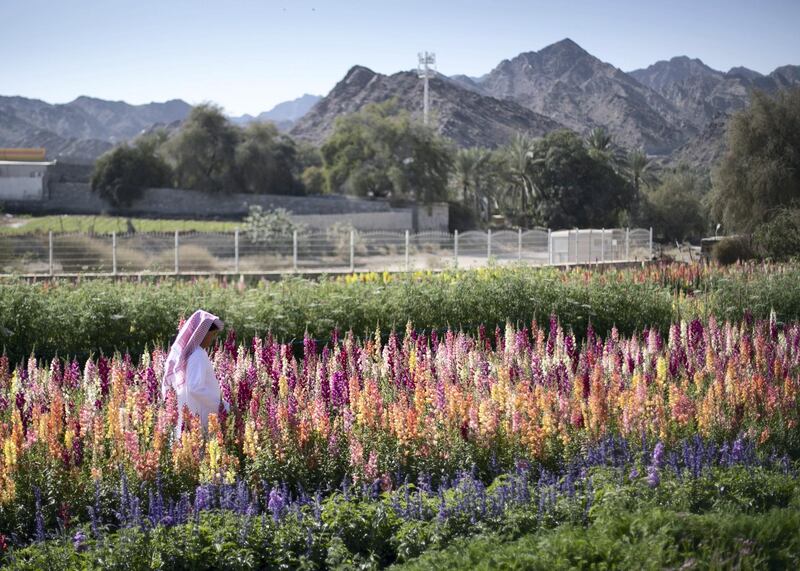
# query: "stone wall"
22, 182
315, 211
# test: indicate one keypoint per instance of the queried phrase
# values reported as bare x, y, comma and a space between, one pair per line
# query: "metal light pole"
425, 59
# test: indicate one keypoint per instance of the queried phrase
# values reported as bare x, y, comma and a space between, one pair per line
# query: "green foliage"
675, 208
265, 161
576, 190
313, 179
121, 174
262, 227
733, 249
203, 152
107, 224
779, 239
728, 518
76, 319
761, 170
380, 151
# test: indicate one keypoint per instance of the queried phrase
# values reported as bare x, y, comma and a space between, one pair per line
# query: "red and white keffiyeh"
189, 338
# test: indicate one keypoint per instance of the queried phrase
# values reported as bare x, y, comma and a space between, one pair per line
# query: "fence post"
627, 244
603, 246
455, 246
294, 250
549, 246
407, 237
352, 251
650, 257
591, 240
488, 245
577, 257
236, 250
177, 257
519, 244
114, 253
50, 251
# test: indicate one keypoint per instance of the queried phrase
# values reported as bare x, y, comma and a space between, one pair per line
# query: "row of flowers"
385, 410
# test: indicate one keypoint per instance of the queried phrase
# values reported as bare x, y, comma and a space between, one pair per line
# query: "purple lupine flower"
79, 540
276, 504
658, 455
103, 372
39, 516
653, 477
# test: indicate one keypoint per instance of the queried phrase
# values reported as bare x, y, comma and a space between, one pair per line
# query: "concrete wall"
315, 211
22, 182
398, 219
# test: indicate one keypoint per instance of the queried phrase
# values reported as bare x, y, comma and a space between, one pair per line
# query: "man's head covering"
189, 338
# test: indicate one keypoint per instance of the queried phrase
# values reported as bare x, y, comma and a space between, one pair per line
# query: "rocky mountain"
284, 114
676, 108
466, 116
566, 83
700, 94
82, 129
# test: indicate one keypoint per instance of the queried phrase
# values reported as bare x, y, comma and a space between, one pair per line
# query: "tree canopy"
760, 173
379, 151
575, 189
121, 174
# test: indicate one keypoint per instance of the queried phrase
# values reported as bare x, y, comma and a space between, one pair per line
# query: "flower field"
369, 451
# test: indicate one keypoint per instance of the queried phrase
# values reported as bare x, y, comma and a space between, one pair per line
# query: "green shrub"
733, 249
779, 239
92, 316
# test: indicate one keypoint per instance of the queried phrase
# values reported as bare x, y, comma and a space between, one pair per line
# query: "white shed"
20, 181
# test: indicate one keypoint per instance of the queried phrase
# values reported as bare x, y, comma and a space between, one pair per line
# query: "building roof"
29, 163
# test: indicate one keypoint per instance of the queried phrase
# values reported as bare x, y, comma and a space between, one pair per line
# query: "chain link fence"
312, 252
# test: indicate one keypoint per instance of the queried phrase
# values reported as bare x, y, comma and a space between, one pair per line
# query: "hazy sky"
248, 56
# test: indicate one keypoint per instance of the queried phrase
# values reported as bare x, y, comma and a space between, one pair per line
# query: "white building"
22, 181
599, 245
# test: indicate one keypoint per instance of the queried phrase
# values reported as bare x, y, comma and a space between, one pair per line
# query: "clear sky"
248, 55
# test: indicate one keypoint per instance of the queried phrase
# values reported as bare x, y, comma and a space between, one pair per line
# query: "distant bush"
734, 249
122, 174
779, 239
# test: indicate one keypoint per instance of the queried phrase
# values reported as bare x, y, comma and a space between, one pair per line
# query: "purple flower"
276, 504
658, 455
79, 540
653, 477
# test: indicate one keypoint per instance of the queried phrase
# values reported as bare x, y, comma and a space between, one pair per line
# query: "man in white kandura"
189, 370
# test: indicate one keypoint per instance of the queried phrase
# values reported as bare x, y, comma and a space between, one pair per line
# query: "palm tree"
468, 166
640, 170
519, 155
601, 145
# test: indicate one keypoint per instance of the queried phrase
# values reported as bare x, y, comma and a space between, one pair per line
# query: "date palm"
468, 167
640, 170
520, 164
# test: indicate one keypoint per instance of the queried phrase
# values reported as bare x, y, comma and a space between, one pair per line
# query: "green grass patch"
108, 224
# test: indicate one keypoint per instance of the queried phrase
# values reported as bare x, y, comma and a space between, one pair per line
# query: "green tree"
674, 209
760, 173
121, 174
574, 188
640, 170
265, 161
313, 179
379, 151
469, 166
519, 167
203, 153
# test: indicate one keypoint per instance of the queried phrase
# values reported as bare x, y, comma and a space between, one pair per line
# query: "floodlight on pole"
425, 71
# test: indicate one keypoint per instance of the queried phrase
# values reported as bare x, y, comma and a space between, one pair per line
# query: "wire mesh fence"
308, 252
